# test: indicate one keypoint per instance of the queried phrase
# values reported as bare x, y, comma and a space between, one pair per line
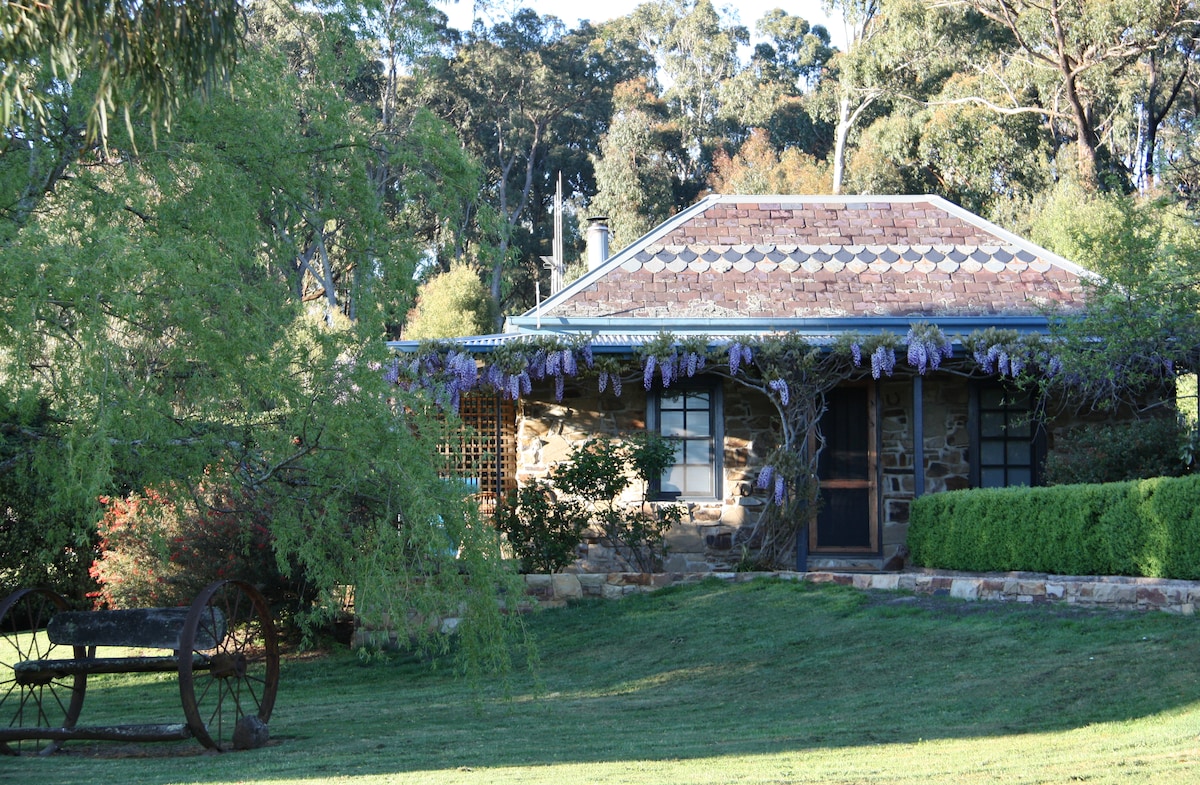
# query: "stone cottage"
731, 267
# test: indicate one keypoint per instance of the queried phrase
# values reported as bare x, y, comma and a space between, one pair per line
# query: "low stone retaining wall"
1118, 593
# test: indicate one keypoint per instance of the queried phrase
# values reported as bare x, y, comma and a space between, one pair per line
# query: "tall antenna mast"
554, 262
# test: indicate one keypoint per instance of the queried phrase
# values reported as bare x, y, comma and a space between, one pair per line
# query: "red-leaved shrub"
160, 549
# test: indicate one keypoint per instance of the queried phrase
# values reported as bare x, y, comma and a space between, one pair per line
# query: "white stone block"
964, 589
566, 586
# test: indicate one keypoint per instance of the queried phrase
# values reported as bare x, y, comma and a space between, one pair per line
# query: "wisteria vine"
792, 371
445, 371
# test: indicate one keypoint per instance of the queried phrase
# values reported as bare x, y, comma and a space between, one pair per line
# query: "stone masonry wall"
1116, 593
716, 535
712, 534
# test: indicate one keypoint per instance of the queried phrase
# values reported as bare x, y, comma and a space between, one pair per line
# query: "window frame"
716, 420
1014, 404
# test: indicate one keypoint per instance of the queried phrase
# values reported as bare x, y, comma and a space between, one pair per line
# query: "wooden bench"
224, 648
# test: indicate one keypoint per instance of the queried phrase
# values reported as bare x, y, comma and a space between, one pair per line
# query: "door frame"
871, 483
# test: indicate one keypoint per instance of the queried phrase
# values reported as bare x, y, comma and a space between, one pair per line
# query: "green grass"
766, 682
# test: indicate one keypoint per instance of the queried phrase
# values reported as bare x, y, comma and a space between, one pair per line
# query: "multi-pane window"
688, 417
1006, 439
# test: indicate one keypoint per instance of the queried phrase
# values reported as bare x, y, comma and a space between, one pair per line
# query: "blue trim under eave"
766, 326
620, 335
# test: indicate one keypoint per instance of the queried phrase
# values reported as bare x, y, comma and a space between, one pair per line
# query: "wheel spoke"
243, 662
56, 703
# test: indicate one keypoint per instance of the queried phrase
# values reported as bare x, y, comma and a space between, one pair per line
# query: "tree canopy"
203, 287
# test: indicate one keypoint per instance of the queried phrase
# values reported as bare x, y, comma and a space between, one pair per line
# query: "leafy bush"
1096, 453
160, 549
451, 304
544, 530
1147, 528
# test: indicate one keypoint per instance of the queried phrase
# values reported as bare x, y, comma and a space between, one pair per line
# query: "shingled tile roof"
823, 257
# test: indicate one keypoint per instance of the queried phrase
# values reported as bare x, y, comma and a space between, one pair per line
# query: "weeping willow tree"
157, 331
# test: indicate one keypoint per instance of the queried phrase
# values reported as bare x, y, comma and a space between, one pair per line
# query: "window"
690, 417
1005, 438
486, 447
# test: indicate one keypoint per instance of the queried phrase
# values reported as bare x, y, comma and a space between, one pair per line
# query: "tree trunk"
839, 144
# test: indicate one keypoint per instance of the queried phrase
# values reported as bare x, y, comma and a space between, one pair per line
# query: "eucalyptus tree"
635, 181
770, 91
759, 167
855, 84
1071, 62
696, 52
528, 97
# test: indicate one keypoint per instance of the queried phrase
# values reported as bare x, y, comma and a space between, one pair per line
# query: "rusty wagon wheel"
228, 665
35, 698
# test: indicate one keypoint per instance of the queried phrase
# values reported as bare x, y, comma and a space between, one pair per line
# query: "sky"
571, 11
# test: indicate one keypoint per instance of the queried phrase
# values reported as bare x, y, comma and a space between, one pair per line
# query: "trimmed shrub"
543, 529
1147, 528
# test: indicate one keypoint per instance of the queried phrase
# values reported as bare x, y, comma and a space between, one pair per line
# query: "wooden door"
847, 520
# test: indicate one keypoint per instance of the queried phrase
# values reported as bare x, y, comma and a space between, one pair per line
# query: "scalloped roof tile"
812, 256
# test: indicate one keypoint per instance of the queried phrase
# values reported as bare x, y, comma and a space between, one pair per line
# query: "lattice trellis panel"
487, 447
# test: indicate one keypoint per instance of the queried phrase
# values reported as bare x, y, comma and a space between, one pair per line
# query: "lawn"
765, 682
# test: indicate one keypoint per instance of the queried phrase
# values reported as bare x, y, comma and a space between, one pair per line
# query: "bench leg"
41, 701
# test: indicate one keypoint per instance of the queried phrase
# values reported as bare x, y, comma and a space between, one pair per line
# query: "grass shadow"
715, 669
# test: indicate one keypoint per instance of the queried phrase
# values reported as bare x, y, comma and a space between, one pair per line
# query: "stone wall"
712, 533
716, 535
1116, 593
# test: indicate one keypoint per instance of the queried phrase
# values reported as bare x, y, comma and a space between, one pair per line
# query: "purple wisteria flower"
883, 361
780, 387
648, 371
391, 372
666, 368
927, 346
856, 354
739, 354
780, 487
466, 372
764, 477
918, 355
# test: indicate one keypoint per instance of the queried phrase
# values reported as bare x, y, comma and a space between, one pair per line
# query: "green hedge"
1149, 528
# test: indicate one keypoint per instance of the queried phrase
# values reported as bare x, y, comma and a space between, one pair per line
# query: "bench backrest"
155, 628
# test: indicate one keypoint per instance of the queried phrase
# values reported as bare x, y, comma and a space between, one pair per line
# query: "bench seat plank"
28, 671
130, 733
153, 628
